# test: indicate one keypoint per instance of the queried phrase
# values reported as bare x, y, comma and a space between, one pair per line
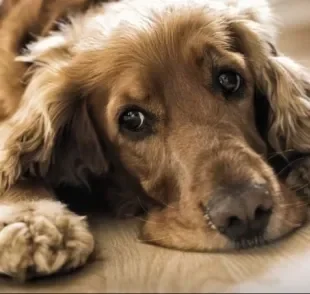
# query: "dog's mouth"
274, 218
252, 240
255, 242
240, 213
192, 231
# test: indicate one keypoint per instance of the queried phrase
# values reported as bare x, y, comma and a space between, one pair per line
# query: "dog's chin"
190, 230
213, 242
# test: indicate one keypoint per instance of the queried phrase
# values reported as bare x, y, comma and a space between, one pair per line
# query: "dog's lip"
255, 242
209, 221
242, 244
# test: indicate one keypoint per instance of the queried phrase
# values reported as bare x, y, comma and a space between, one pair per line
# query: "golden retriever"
177, 101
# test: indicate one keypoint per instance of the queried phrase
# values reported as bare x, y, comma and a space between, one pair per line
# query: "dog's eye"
230, 82
132, 120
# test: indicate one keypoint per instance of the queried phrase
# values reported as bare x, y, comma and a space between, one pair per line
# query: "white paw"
41, 238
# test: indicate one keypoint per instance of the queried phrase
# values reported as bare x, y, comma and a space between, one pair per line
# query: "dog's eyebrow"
135, 92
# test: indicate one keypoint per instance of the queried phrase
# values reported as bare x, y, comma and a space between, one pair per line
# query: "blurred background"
294, 28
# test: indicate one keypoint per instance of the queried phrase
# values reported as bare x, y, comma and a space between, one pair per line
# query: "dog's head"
169, 94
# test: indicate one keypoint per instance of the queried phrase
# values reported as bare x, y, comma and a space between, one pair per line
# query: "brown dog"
157, 99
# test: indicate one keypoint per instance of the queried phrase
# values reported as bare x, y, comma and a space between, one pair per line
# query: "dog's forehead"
93, 29
131, 15
150, 39
171, 36
176, 37
110, 18
100, 24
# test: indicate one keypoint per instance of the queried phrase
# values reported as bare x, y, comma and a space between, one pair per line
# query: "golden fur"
158, 56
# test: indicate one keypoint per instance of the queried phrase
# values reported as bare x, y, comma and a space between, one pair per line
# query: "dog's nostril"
261, 212
234, 221
234, 226
261, 218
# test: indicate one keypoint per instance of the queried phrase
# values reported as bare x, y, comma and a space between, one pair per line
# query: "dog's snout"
241, 214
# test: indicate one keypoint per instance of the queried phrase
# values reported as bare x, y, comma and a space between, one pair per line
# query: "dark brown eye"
136, 123
230, 82
132, 120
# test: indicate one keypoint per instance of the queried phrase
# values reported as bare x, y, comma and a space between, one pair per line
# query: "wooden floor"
126, 265
129, 266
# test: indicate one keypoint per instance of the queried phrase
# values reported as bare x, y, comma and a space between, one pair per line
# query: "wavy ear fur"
51, 135
288, 92
285, 83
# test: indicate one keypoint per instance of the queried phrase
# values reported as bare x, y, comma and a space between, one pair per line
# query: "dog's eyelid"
220, 69
207, 53
220, 62
137, 97
136, 107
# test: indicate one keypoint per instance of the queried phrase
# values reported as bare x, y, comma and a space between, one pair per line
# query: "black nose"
240, 212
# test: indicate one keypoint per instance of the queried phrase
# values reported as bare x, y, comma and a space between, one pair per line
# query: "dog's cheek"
289, 214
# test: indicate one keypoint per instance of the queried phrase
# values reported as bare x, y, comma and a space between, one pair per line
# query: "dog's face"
171, 97
178, 109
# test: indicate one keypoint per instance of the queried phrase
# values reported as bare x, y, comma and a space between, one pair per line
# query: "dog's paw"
41, 238
298, 179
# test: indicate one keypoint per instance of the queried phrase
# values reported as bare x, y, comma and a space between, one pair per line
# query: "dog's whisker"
274, 154
302, 187
294, 187
285, 207
166, 205
298, 186
290, 223
141, 205
151, 222
293, 204
156, 239
289, 164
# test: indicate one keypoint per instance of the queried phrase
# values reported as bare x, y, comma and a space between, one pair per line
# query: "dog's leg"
38, 235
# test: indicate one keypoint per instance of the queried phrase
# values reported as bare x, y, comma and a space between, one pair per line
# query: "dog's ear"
286, 84
279, 79
51, 129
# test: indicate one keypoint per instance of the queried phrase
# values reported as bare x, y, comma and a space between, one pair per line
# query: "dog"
177, 101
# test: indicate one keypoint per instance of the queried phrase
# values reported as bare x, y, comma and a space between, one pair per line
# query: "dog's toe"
43, 239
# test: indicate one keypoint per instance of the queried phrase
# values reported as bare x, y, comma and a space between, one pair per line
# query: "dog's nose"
242, 213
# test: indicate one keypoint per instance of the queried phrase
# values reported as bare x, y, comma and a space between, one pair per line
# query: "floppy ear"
282, 81
286, 85
51, 135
